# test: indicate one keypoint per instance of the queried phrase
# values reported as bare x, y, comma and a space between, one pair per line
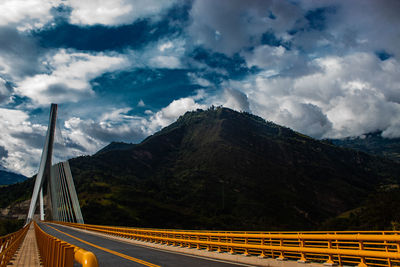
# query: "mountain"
222, 169
7, 177
372, 143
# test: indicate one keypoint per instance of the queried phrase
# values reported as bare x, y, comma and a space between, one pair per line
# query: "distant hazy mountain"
221, 169
7, 177
372, 143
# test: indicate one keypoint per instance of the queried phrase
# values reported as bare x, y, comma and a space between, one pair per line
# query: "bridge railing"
343, 248
10, 243
55, 252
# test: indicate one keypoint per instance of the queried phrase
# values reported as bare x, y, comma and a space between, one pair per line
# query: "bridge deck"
28, 253
111, 252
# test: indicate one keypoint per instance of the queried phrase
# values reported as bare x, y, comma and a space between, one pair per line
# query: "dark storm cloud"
109, 135
60, 148
31, 139
107, 131
5, 91
317, 18
269, 38
53, 91
383, 55
56, 89
19, 52
3, 152
234, 66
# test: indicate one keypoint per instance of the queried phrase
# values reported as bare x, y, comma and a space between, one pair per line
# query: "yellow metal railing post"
303, 258
362, 259
262, 254
330, 261
198, 243
246, 250
231, 249
219, 246
209, 248
281, 253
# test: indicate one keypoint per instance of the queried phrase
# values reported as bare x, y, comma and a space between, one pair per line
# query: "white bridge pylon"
63, 204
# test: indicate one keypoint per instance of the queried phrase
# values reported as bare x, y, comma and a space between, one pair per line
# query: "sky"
120, 70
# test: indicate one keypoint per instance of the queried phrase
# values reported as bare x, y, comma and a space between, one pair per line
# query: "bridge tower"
62, 198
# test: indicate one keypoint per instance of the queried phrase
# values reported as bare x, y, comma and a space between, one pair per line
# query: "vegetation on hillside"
380, 211
16, 192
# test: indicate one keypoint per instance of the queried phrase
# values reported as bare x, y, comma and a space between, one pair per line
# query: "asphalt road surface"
115, 253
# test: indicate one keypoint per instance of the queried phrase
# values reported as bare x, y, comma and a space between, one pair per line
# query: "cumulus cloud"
16, 139
26, 14
165, 62
164, 54
236, 100
196, 79
348, 96
115, 13
393, 131
35, 14
170, 113
87, 136
277, 60
69, 76
3, 152
305, 118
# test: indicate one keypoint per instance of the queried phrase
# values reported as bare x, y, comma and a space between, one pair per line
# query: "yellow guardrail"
55, 252
366, 248
10, 243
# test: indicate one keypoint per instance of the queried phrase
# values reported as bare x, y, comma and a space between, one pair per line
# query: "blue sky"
121, 70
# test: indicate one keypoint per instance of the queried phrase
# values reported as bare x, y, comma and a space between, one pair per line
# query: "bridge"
59, 237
